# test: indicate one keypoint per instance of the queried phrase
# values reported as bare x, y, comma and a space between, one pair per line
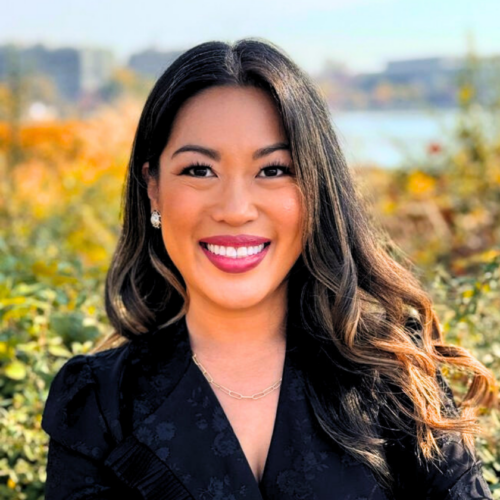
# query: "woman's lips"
232, 265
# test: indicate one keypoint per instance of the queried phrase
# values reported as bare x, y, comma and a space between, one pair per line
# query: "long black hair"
350, 299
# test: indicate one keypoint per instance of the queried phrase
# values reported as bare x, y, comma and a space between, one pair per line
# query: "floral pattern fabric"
142, 421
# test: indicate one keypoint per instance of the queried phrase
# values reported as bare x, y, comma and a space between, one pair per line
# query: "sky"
362, 34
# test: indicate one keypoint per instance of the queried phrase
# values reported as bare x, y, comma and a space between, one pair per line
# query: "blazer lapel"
186, 447
303, 463
188, 439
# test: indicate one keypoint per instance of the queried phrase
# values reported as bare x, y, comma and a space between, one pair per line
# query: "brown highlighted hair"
374, 341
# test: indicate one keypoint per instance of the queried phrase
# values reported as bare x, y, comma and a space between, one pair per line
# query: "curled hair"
367, 326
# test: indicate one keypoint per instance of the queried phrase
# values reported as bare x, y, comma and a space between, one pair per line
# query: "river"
394, 138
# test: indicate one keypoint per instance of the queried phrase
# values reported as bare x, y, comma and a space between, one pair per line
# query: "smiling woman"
266, 345
245, 185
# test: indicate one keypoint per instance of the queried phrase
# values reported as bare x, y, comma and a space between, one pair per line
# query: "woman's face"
232, 192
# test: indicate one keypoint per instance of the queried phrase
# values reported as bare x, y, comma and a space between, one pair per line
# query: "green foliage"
50, 310
469, 308
56, 236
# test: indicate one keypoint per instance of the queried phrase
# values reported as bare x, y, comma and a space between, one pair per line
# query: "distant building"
415, 82
152, 63
75, 72
417, 67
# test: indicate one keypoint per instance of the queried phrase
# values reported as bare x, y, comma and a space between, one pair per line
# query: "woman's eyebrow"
215, 155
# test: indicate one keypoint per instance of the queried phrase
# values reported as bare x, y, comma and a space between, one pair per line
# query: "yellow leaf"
59, 351
42, 269
29, 452
489, 255
489, 476
15, 370
389, 207
13, 301
420, 183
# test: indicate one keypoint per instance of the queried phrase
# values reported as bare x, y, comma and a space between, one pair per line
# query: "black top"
142, 422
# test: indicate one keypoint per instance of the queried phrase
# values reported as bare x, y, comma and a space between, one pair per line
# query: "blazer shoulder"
81, 410
96, 399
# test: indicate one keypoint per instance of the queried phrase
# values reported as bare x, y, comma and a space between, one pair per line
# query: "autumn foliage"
60, 187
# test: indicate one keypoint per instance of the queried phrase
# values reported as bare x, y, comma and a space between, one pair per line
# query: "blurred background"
414, 92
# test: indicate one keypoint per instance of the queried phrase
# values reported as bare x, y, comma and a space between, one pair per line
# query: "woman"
265, 345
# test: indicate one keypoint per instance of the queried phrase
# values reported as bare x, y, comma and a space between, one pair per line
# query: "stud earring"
156, 219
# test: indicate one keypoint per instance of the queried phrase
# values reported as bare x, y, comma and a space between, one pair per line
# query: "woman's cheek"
182, 204
288, 209
178, 216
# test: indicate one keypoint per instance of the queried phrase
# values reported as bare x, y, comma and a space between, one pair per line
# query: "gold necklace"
235, 394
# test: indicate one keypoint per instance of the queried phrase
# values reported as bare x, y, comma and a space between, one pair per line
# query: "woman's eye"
275, 167
200, 168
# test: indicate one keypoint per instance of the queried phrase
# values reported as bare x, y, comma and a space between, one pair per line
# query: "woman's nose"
236, 204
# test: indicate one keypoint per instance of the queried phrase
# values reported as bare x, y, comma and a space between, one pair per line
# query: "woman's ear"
152, 185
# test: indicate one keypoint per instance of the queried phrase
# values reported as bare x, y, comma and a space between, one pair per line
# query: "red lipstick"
240, 240
235, 264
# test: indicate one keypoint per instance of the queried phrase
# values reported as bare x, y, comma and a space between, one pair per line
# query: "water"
388, 138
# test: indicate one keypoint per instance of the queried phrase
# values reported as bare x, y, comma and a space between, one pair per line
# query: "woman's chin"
235, 297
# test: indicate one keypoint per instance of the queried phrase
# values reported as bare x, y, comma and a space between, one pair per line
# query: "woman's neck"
232, 338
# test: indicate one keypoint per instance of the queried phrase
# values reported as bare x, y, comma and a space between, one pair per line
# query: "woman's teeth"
235, 253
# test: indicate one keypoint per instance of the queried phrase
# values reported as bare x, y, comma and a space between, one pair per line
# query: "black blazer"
142, 422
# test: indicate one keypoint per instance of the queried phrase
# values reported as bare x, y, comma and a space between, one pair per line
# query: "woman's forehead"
245, 117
